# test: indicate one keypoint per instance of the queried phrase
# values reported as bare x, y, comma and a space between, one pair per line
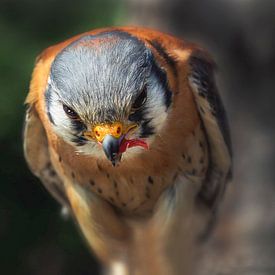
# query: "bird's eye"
141, 99
70, 113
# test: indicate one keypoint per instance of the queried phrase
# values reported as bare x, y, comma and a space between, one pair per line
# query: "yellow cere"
114, 129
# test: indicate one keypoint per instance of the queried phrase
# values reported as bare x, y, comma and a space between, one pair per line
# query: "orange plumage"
151, 208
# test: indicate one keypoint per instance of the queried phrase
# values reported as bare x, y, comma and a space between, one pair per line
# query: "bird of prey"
126, 129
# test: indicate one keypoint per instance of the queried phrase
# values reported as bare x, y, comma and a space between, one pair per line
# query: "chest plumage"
126, 129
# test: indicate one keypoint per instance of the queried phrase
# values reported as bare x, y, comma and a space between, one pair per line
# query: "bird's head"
106, 93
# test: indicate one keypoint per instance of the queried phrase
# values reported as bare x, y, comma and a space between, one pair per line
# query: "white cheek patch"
156, 105
62, 124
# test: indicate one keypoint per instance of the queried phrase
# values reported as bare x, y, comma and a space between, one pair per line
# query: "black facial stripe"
146, 129
161, 75
79, 141
78, 126
48, 101
139, 117
162, 52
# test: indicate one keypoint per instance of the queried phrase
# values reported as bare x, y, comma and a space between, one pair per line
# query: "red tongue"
132, 143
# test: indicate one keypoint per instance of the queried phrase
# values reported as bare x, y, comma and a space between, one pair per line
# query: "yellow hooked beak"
110, 135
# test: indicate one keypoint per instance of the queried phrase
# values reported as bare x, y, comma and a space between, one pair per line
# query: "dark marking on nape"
117, 193
59, 159
201, 144
124, 204
162, 52
189, 159
99, 190
92, 182
162, 77
148, 196
107, 175
115, 184
183, 156
73, 175
150, 180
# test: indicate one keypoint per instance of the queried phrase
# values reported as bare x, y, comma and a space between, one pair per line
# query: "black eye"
141, 99
70, 113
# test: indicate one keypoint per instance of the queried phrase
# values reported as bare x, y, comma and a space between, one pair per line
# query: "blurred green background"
34, 238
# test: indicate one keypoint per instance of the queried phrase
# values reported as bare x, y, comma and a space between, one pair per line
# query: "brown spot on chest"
136, 185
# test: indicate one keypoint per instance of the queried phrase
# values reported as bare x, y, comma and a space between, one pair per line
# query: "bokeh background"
34, 238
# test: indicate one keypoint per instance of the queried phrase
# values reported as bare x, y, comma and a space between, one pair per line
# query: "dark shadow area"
34, 238
241, 37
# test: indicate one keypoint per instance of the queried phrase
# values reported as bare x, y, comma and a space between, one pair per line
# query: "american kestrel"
126, 129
